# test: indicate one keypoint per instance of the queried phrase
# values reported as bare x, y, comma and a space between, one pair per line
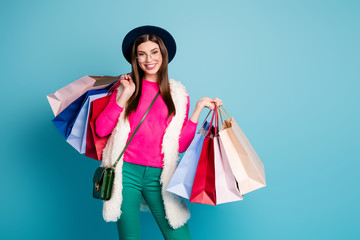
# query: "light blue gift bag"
77, 137
182, 181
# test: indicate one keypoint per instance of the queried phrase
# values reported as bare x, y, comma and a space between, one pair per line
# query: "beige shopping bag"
63, 97
244, 162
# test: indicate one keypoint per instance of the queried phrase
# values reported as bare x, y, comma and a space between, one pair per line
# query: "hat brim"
129, 39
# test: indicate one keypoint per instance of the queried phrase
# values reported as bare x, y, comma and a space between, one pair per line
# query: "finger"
211, 106
216, 104
123, 81
207, 99
218, 101
123, 77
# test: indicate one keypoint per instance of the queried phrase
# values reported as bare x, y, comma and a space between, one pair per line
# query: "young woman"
145, 169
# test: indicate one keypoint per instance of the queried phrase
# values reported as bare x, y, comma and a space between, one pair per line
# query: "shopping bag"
77, 137
63, 97
65, 120
182, 181
94, 143
244, 162
203, 190
225, 183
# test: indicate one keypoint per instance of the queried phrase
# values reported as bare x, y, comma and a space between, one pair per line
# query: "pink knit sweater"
145, 147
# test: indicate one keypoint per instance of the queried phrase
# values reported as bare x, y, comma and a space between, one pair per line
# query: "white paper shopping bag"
225, 182
247, 167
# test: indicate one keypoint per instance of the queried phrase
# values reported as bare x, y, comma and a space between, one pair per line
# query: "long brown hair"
138, 74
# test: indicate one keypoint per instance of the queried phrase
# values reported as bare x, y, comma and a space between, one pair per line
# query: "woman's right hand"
129, 89
128, 84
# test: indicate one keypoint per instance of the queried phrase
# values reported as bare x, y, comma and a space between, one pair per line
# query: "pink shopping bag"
225, 182
63, 97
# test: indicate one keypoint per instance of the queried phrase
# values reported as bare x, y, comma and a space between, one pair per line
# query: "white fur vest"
176, 209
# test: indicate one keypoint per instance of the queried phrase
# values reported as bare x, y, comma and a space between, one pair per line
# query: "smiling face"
149, 58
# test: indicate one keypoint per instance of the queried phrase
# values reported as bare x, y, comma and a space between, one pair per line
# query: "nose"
148, 57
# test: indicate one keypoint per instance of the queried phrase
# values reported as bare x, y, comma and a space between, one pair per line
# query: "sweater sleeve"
107, 119
188, 131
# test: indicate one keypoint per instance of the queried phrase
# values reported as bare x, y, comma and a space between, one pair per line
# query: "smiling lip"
150, 66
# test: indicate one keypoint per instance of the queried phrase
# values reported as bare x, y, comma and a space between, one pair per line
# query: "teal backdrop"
287, 71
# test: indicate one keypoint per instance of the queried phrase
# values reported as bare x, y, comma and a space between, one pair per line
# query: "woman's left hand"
208, 102
217, 101
201, 104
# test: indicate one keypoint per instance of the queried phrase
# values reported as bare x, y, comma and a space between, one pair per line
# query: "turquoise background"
287, 71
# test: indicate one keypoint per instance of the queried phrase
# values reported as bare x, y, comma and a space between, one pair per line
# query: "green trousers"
138, 181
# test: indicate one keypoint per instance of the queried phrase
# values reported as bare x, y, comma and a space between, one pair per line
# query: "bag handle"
117, 161
212, 118
221, 119
113, 87
216, 121
221, 116
226, 115
202, 125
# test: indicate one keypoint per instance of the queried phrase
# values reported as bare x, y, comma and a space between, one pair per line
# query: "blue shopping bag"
183, 178
65, 120
77, 137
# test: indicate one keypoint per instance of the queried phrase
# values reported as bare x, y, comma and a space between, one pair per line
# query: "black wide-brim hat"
129, 39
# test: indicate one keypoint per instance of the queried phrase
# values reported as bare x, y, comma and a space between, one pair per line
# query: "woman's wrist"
121, 101
196, 114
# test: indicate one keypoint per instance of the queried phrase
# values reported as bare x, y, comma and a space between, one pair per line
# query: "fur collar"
176, 209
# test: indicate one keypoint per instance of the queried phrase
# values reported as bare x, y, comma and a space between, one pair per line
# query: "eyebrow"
151, 50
